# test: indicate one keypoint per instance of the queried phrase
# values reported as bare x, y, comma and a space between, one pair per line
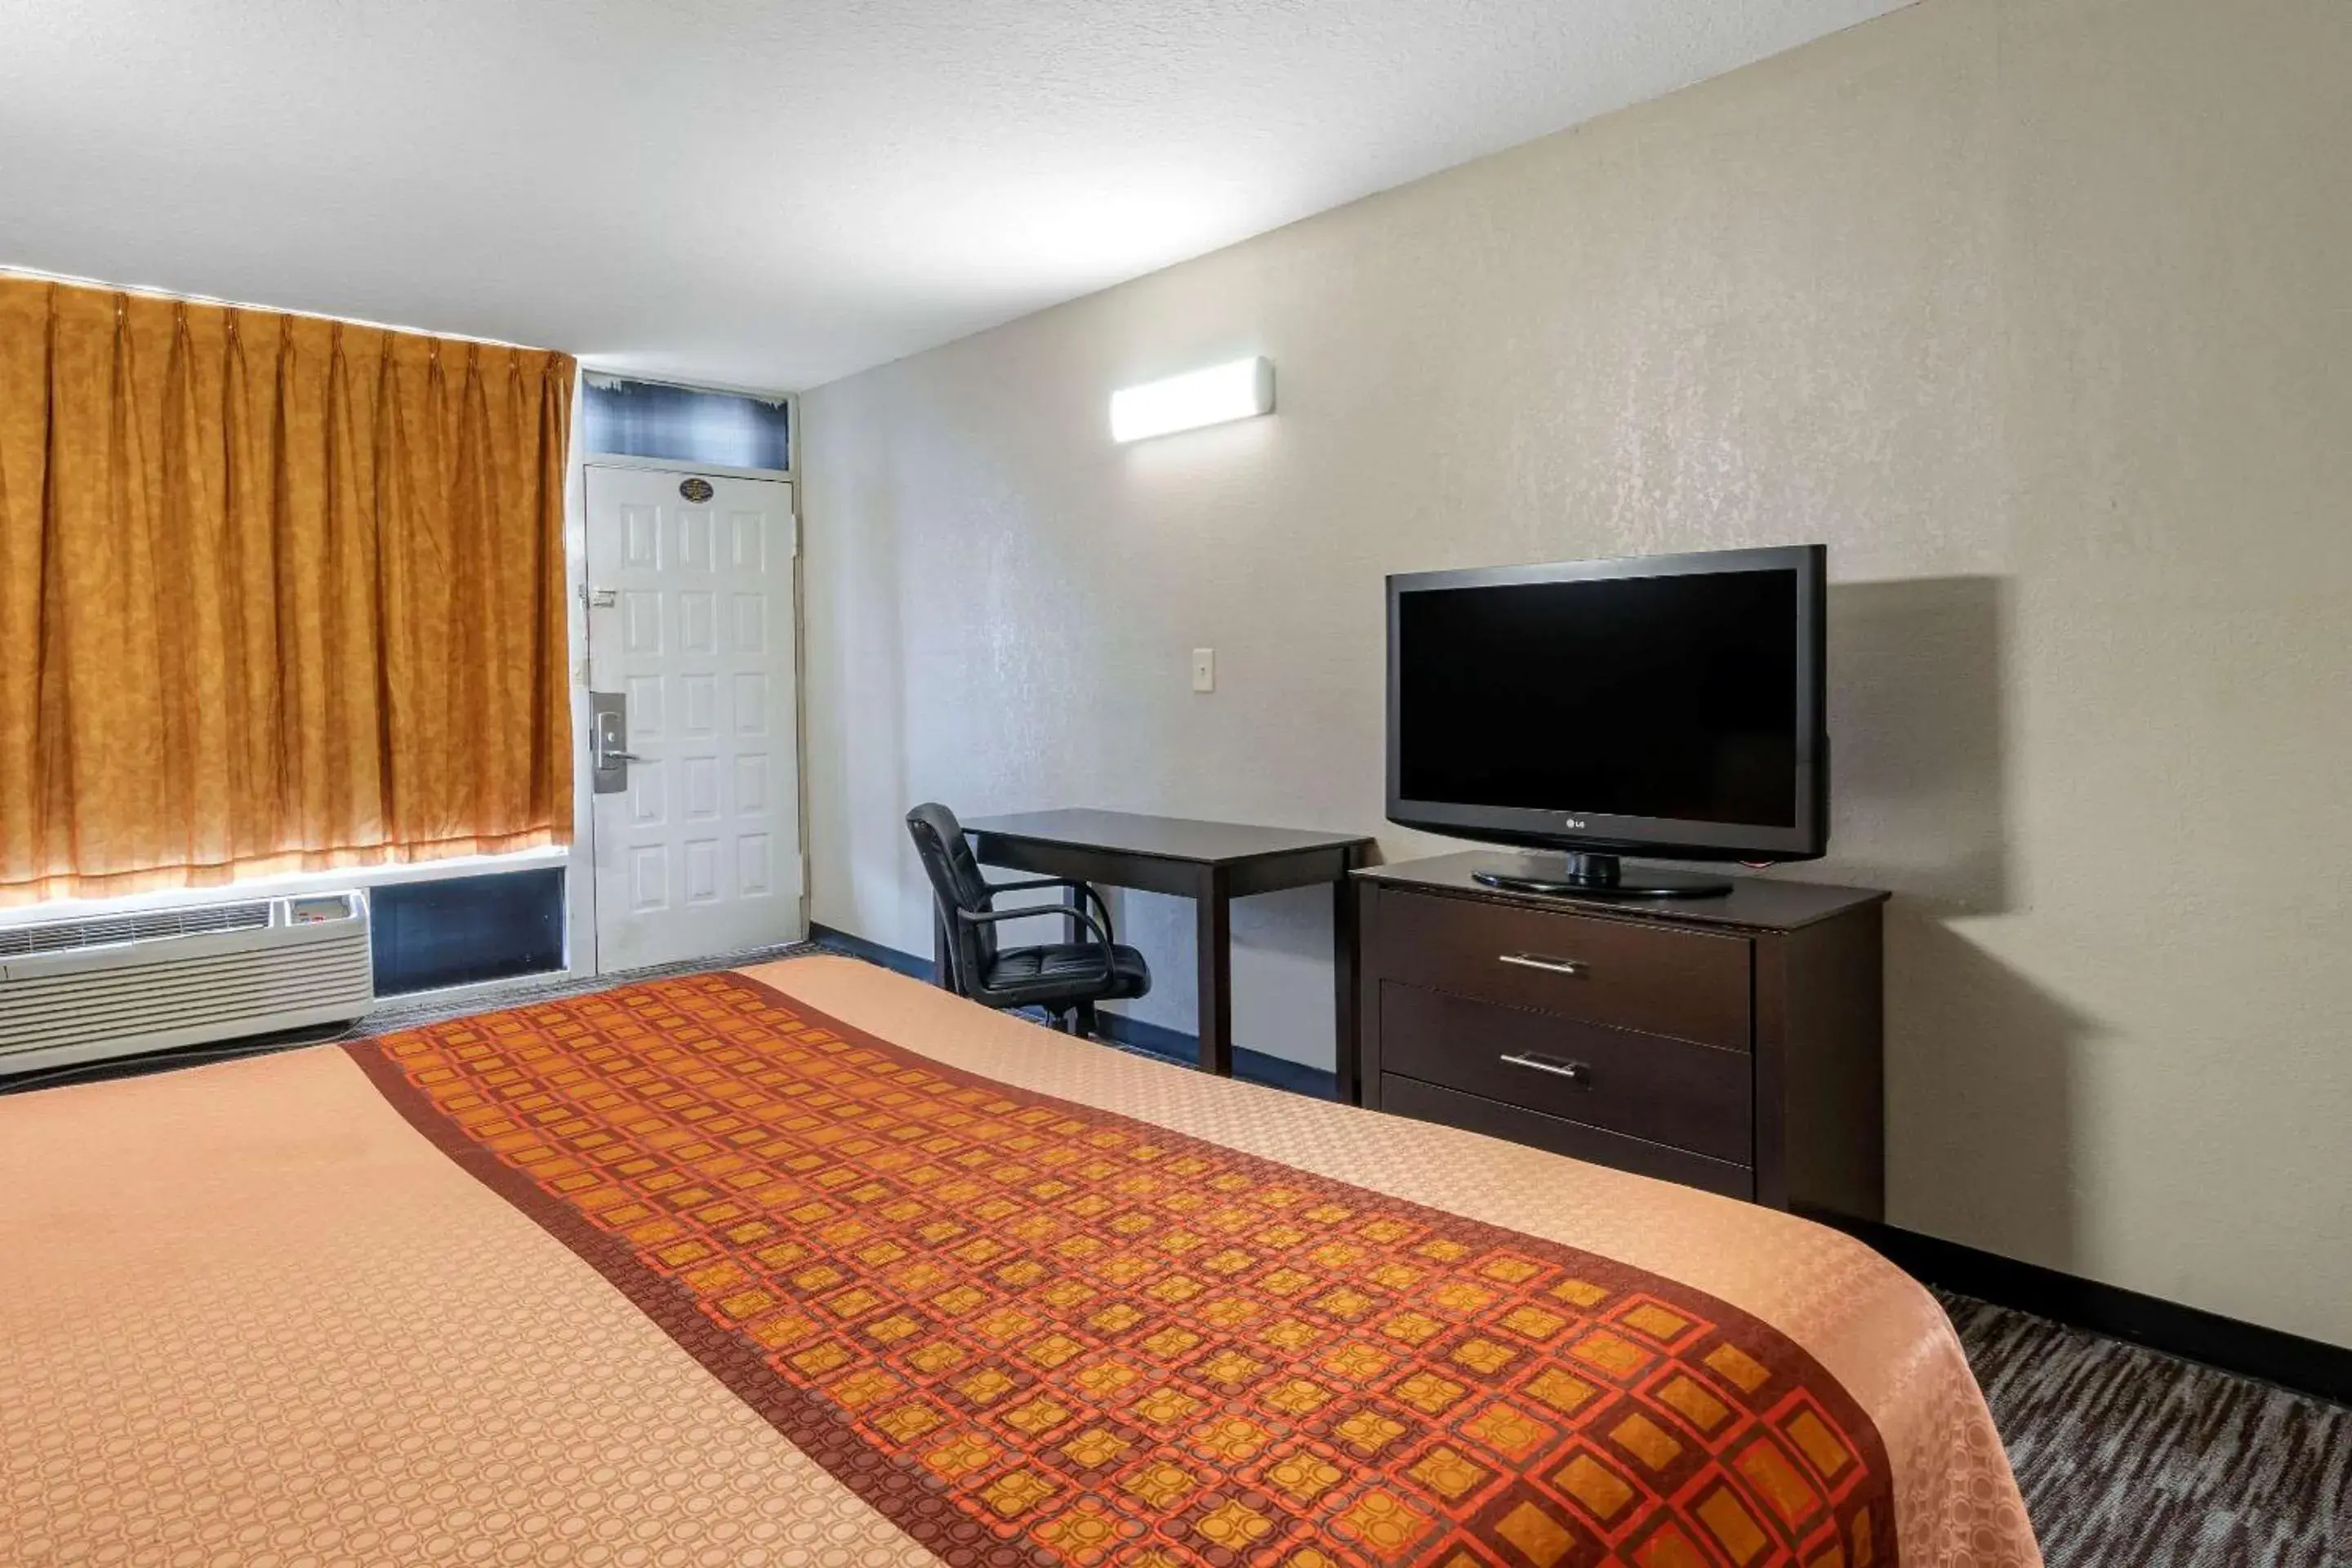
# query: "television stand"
1730, 1043
1605, 877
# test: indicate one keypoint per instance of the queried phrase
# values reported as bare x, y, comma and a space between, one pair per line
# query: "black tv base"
1606, 876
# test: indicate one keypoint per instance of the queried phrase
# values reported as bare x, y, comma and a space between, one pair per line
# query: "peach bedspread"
416, 1302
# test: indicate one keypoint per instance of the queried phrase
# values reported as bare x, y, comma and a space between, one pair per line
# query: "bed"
814, 1264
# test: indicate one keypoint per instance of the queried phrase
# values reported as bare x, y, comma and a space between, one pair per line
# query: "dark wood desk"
1212, 863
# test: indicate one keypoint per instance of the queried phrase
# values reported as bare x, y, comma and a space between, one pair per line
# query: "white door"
690, 646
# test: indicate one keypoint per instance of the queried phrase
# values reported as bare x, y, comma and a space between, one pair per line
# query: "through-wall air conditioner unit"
118, 985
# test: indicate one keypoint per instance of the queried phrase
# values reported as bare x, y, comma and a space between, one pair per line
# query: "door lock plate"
608, 743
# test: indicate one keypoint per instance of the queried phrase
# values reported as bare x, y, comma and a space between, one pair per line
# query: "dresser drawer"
1691, 984
1700, 1097
1428, 1102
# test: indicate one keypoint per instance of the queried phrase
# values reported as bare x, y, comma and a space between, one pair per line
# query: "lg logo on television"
1576, 822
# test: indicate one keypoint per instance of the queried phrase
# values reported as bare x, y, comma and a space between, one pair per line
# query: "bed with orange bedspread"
814, 1264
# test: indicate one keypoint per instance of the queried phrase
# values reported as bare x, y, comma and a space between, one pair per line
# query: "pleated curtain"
275, 593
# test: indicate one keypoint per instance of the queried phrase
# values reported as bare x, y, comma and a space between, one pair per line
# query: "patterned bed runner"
1026, 1330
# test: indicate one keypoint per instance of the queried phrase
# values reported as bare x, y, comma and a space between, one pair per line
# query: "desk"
1211, 863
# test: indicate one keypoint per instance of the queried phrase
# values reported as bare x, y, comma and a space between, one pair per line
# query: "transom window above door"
686, 425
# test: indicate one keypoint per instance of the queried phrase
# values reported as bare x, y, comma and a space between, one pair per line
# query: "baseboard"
2248, 1350
905, 964
1254, 1066
1146, 1039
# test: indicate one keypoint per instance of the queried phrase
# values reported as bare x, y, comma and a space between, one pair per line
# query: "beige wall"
2037, 313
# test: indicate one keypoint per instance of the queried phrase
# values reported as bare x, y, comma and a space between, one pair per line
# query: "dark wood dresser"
1730, 1043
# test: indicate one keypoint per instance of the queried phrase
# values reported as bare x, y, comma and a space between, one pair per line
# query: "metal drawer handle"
1576, 1073
1536, 961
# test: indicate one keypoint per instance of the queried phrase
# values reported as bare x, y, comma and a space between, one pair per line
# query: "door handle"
1576, 1073
1567, 966
608, 733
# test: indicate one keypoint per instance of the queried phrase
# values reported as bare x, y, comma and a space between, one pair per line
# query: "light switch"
1205, 669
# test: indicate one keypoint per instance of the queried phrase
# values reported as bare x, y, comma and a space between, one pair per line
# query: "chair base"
1077, 1018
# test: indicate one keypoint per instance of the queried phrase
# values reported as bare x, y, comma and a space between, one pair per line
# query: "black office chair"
1066, 979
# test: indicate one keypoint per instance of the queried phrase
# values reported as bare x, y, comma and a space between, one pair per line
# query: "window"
457, 931
684, 424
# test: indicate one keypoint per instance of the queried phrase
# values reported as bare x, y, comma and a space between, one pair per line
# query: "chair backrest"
956, 884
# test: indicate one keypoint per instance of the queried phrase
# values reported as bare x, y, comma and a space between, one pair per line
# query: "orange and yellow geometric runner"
1028, 1331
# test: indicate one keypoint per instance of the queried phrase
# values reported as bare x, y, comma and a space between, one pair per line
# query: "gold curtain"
275, 593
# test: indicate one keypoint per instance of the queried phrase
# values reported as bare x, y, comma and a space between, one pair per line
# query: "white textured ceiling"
769, 193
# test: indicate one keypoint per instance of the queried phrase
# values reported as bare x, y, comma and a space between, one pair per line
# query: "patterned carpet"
2126, 1456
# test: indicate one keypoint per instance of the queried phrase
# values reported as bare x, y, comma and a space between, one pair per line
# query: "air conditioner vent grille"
147, 925
75, 991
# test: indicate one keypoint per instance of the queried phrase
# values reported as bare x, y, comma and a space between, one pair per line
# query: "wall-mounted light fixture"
1239, 390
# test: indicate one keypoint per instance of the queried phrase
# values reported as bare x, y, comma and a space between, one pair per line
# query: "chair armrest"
1086, 889
1042, 911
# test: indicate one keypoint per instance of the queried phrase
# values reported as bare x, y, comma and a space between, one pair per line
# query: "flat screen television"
1663, 705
